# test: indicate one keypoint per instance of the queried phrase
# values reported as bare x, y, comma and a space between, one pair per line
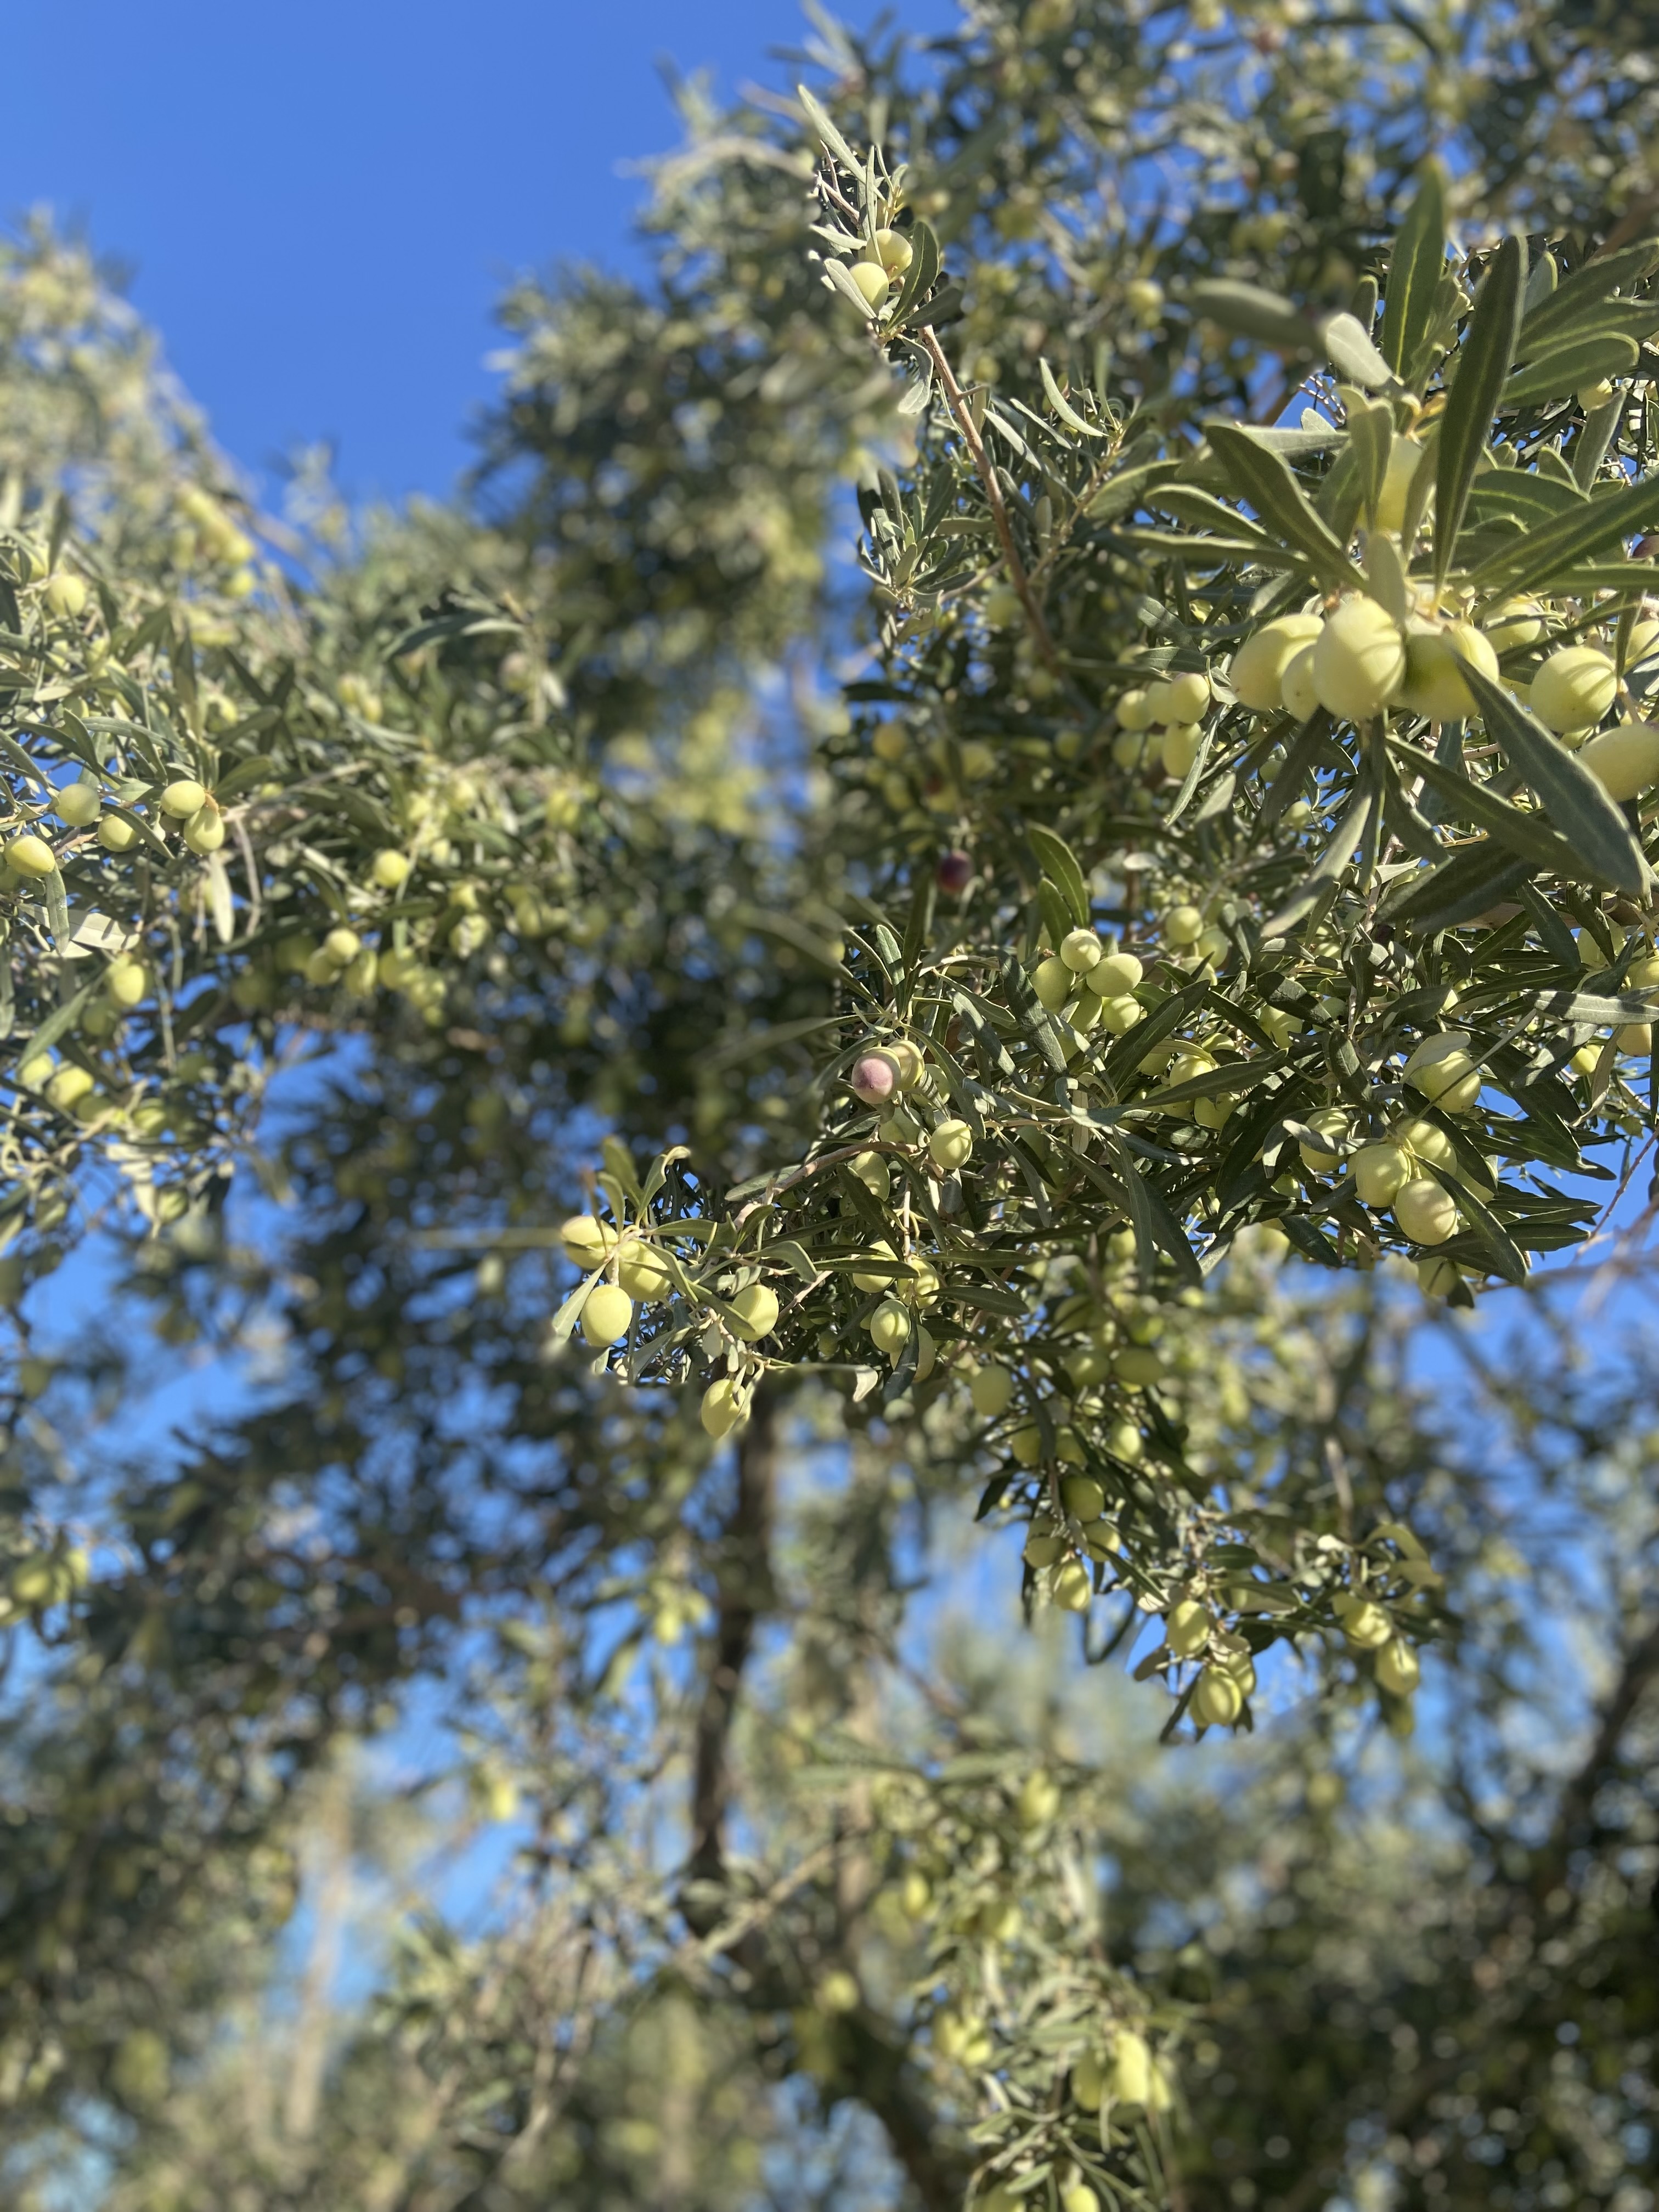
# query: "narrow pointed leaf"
1534, 559
1415, 268
1577, 363
1527, 835
1061, 864
1483, 364
1259, 474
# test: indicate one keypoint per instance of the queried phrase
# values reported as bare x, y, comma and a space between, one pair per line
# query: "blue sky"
319, 202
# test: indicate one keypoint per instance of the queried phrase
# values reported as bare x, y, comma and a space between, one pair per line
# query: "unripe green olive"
389, 870
1120, 1016
1160, 702
116, 836
907, 1058
889, 1327
1513, 623
926, 1352
1426, 1140
1435, 660
1139, 1366
1332, 1123
991, 1388
894, 251
321, 967
1624, 760
125, 980
1635, 1037
1182, 925
1380, 1171
1124, 1441
872, 281
607, 1314
587, 1241
205, 832
1405, 458
1427, 1212
1081, 950
78, 804
722, 1408
184, 798
1257, 673
1573, 689
1088, 1364
66, 596
1296, 685
1187, 697
1083, 1498
1213, 945
915, 1894
1177, 748
1216, 1700
873, 1171
898, 1127
950, 1147
1443, 1068
756, 1310
1397, 1668
1359, 660
1134, 711
1051, 979
1143, 298
1364, 1624
1039, 1800
31, 856
1114, 975
1026, 1444
69, 1086
1042, 1548
1128, 749
870, 1280
642, 1273
1129, 2080
1187, 1627
1073, 1586
342, 944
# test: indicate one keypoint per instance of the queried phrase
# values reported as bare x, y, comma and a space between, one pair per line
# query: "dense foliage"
925, 1075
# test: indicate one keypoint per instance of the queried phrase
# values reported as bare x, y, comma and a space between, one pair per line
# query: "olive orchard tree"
1215, 855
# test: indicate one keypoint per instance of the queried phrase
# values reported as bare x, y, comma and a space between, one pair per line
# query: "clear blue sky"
318, 200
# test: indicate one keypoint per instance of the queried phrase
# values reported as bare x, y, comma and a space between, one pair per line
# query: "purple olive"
955, 871
874, 1077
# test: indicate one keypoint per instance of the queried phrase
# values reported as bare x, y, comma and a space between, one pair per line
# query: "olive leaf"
1483, 364
1533, 561
1570, 367
1415, 265
1261, 476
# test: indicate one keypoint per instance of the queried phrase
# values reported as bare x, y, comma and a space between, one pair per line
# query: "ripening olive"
389, 870
1051, 979
1573, 689
607, 1314
950, 1147
587, 1241
755, 1311
1187, 1627
870, 280
79, 804
1380, 1170
1624, 760
1359, 659
1257, 669
875, 1078
1443, 1068
642, 1273
205, 832
722, 1408
31, 856
991, 1390
1397, 1668
1426, 1212
1216, 1700
889, 1327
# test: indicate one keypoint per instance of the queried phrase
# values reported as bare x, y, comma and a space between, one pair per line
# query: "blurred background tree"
456, 1783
